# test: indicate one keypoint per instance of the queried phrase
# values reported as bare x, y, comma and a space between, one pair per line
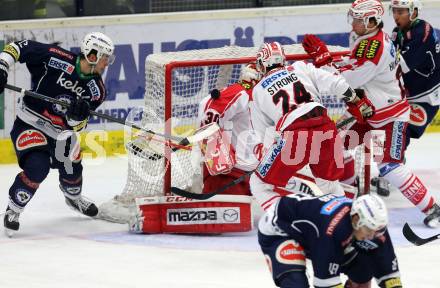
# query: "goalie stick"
205, 196
181, 141
414, 238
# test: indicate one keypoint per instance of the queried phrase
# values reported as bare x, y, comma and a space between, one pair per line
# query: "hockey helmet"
366, 10
409, 4
372, 212
269, 55
99, 43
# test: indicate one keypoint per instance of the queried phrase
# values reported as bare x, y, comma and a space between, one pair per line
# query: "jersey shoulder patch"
369, 49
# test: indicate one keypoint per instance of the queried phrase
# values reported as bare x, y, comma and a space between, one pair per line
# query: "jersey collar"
78, 70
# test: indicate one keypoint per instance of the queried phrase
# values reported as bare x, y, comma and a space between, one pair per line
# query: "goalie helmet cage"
175, 84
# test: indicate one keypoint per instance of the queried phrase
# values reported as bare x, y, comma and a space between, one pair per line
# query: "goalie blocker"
175, 214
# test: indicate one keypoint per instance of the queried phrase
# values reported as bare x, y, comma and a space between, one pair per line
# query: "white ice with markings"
56, 247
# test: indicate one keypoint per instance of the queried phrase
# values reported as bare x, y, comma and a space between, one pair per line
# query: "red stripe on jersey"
392, 111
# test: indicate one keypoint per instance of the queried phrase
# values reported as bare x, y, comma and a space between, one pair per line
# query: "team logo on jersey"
29, 139
270, 157
291, 252
69, 85
397, 140
418, 116
333, 205
57, 108
61, 65
94, 90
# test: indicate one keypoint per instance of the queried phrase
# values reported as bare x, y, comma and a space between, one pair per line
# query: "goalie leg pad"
174, 214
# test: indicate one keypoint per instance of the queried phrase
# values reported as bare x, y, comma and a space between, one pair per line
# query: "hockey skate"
432, 218
381, 186
83, 206
11, 222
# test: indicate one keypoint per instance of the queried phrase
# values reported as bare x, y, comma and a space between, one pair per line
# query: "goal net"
175, 84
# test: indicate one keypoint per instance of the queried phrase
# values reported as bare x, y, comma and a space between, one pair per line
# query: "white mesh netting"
194, 75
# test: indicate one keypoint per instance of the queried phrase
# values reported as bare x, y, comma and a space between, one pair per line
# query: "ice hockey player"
328, 230
418, 44
374, 66
43, 132
287, 98
229, 107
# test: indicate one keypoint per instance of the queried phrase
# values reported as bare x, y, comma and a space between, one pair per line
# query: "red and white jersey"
373, 66
231, 112
286, 93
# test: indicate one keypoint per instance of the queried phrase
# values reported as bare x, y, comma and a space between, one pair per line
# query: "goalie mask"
270, 55
372, 212
366, 10
99, 43
411, 5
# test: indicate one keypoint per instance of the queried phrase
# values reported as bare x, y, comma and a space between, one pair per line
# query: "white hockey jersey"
231, 112
373, 66
286, 93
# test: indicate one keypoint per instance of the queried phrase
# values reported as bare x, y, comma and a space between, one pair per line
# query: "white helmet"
409, 4
372, 212
270, 54
366, 10
99, 43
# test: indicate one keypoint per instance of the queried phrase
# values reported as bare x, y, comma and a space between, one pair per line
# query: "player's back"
311, 220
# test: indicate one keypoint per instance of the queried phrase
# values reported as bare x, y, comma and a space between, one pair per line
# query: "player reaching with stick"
43, 133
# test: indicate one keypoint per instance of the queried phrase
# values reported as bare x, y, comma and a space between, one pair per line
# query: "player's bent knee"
36, 166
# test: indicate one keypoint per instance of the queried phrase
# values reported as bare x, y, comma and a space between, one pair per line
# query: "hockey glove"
78, 110
78, 114
4, 67
358, 105
317, 49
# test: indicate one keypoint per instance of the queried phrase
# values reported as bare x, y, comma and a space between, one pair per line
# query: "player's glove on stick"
78, 114
317, 49
3, 75
78, 110
359, 105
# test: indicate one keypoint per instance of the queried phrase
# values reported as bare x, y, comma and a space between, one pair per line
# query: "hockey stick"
181, 141
205, 196
414, 238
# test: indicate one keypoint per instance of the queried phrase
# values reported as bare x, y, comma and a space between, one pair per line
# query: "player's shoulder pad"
370, 49
421, 30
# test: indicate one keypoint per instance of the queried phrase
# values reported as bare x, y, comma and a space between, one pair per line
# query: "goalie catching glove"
317, 49
358, 104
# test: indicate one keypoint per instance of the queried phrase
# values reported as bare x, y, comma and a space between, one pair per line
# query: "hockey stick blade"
206, 196
414, 238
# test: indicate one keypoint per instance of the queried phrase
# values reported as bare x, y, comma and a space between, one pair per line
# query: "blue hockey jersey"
55, 72
420, 49
321, 225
